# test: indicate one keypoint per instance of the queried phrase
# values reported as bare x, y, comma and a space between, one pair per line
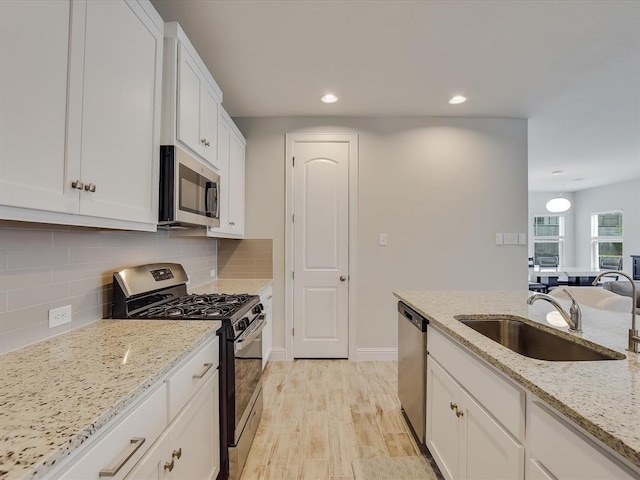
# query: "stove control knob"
243, 324
258, 308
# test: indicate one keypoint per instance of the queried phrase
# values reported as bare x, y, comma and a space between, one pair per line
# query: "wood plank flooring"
319, 415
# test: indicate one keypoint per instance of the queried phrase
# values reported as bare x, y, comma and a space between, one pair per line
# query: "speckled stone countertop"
603, 397
56, 394
251, 286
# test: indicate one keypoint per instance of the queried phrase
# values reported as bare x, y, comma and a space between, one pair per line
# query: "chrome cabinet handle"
203, 372
207, 143
90, 187
232, 224
203, 141
169, 465
77, 184
136, 443
453, 406
177, 453
342, 278
269, 297
459, 413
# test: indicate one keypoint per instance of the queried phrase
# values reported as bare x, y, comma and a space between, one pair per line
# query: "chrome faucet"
634, 338
573, 318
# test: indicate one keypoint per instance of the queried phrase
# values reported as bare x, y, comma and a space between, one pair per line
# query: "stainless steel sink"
535, 342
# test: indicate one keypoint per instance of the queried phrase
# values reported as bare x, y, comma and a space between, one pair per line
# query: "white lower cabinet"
465, 440
560, 451
152, 440
186, 449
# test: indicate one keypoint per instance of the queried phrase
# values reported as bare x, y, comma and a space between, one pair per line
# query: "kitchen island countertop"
58, 393
602, 397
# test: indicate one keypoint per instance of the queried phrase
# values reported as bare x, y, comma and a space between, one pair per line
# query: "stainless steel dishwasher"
412, 368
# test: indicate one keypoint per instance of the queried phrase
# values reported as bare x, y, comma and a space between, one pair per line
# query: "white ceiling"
571, 67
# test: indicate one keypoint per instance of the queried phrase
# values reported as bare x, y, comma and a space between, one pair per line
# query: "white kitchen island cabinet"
89, 156
464, 438
191, 98
231, 158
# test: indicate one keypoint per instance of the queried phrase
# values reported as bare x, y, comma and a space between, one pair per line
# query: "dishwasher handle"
414, 317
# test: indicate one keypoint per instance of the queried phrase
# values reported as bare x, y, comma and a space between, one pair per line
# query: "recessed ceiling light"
457, 100
329, 98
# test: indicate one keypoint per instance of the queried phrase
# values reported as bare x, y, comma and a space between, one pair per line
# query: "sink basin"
534, 342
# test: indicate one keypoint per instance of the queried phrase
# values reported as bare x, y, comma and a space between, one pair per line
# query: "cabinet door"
487, 450
33, 105
236, 186
224, 142
209, 126
443, 426
121, 112
188, 101
195, 436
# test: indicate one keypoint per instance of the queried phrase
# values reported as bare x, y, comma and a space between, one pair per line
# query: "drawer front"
116, 451
577, 457
192, 375
502, 399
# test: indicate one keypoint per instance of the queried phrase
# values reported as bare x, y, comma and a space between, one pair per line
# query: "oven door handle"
254, 333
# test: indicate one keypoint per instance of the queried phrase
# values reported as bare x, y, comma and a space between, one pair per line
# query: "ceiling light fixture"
560, 203
457, 100
329, 98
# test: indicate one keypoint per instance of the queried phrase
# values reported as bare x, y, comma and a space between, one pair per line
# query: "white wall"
439, 187
625, 196
537, 206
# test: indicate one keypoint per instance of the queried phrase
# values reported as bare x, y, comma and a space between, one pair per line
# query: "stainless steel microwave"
189, 191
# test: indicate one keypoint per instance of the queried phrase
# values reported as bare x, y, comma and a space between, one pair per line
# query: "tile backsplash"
47, 266
249, 258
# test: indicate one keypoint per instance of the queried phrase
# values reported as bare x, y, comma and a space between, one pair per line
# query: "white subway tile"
24, 277
11, 238
3, 343
86, 286
27, 297
32, 334
3, 260
19, 258
75, 238
16, 319
3, 302
65, 273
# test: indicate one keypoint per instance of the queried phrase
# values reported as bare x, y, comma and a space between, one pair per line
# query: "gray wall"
439, 187
625, 196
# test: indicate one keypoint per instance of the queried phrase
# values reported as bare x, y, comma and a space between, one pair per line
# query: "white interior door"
321, 249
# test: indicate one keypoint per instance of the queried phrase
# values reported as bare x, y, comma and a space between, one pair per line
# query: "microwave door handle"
208, 208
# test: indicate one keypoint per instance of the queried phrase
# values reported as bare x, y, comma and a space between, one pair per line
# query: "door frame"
289, 244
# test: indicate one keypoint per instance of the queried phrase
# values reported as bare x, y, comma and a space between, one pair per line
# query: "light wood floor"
319, 415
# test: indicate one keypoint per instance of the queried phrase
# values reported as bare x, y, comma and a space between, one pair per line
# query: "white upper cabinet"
79, 134
191, 98
231, 158
33, 104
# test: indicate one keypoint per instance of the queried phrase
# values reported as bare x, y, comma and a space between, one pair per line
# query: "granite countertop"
57, 393
603, 397
252, 286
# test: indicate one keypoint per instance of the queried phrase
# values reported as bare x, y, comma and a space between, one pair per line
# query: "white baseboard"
376, 354
277, 353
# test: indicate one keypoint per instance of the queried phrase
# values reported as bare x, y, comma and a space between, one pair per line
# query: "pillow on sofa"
622, 287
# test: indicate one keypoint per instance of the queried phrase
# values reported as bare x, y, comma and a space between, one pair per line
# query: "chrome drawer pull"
168, 465
453, 406
136, 443
177, 453
203, 372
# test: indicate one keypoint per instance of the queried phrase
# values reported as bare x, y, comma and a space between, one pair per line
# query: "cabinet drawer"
191, 376
502, 399
577, 457
126, 441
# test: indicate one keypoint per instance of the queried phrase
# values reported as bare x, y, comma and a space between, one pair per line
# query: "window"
606, 238
548, 237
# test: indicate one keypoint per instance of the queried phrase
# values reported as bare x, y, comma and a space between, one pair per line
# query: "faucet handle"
575, 312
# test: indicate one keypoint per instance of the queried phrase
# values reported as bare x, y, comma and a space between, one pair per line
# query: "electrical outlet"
213, 273
59, 316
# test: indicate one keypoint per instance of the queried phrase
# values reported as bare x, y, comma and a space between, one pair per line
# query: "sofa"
623, 287
615, 298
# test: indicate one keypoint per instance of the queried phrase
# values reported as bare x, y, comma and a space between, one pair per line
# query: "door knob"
342, 278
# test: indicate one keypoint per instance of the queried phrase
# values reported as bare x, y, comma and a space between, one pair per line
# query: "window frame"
596, 239
559, 239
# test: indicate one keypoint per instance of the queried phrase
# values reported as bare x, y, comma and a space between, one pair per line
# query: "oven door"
248, 372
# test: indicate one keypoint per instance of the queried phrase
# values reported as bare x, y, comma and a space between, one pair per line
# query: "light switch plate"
383, 240
499, 239
511, 239
522, 239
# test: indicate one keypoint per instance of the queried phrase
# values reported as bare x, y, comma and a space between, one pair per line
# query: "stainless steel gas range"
159, 292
